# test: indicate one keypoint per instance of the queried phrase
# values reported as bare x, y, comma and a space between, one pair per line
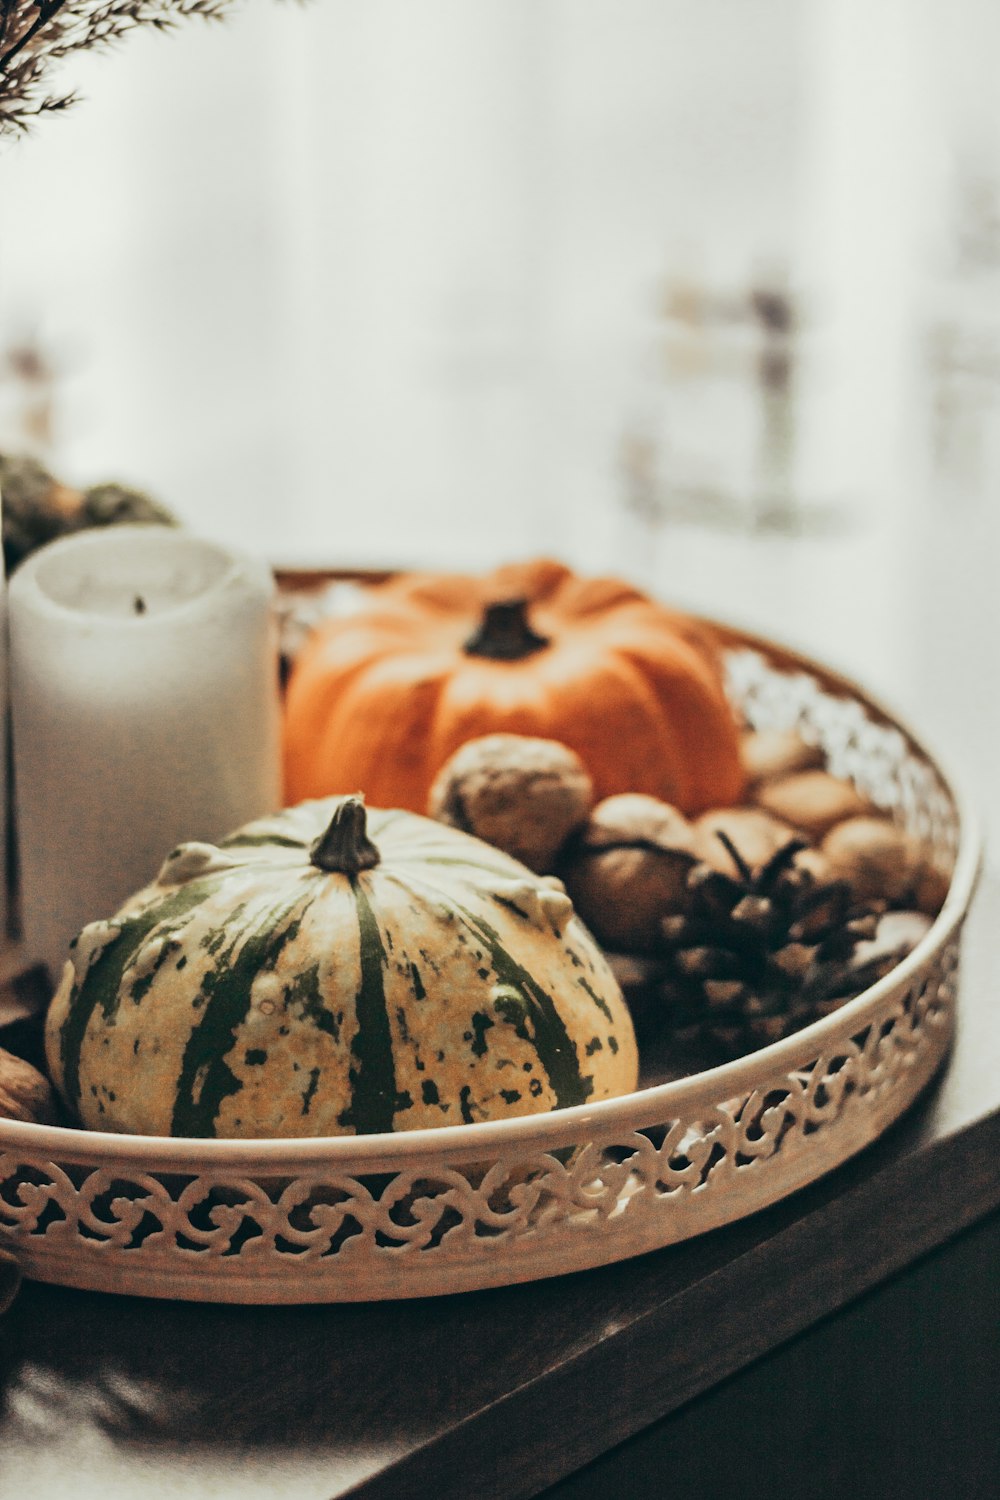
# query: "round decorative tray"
433, 1211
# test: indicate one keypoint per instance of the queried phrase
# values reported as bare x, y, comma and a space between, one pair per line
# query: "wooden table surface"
500, 1393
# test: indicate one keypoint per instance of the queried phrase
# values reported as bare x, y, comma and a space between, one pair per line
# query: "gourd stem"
505, 633
345, 847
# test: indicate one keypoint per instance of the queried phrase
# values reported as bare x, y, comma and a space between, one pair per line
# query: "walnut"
811, 801
25, 1094
524, 795
769, 753
628, 869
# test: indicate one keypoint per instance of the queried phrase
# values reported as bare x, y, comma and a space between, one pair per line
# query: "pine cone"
759, 955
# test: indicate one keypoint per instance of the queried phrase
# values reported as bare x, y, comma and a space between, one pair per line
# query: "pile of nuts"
625, 861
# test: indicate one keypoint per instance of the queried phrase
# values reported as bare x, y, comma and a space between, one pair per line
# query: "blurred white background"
706, 293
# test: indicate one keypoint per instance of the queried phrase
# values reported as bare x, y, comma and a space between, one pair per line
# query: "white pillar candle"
144, 703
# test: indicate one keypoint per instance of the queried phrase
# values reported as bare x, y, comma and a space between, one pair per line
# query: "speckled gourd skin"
246, 993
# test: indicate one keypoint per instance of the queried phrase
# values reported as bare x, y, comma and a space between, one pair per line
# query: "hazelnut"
523, 795
754, 833
930, 889
881, 861
897, 934
628, 869
811, 801
25, 1094
770, 753
10, 1279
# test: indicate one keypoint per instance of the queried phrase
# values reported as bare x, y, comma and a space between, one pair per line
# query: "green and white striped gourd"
328, 972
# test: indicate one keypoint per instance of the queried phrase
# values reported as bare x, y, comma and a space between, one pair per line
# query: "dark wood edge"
309, 580
811, 1267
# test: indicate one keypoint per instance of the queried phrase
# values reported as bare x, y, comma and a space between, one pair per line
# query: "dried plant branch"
36, 34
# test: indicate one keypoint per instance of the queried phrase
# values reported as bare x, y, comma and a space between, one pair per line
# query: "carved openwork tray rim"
533, 1196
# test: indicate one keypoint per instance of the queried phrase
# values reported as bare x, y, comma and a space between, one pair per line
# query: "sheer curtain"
392, 283
377, 283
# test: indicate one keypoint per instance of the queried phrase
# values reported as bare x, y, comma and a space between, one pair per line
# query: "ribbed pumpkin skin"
378, 701
262, 997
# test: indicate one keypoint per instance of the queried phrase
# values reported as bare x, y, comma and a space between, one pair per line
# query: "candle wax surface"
133, 582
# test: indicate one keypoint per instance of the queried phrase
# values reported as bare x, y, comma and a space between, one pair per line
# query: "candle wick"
139, 605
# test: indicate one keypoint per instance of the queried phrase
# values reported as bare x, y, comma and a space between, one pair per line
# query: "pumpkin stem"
505, 633
345, 847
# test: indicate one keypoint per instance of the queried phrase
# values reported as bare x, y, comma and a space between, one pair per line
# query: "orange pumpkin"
379, 700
